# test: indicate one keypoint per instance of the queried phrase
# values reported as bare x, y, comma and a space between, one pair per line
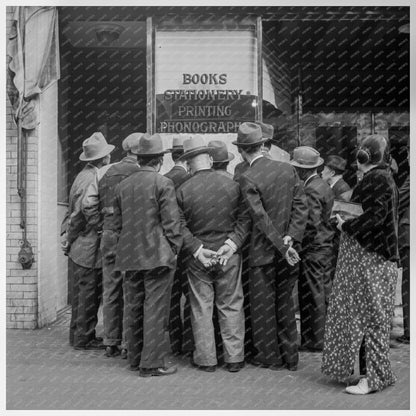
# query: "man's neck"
181, 165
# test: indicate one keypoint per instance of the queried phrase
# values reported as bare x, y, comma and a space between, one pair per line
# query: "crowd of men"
197, 261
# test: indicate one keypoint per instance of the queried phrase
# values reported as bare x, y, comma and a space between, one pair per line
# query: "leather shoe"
360, 388
112, 351
207, 368
134, 367
123, 354
161, 371
235, 367
92, 345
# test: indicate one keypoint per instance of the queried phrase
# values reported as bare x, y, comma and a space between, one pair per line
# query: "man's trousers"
314, 278
181, 337
147, 295
113, 302
273, 313
221, 285
86, 297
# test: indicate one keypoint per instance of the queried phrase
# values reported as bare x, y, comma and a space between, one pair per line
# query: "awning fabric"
33, 60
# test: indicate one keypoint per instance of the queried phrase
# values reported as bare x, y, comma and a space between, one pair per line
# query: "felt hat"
249, 134
194, 146
150, 146
177, 145
336, 162
306, 157
267, 130
95, 147
219, 151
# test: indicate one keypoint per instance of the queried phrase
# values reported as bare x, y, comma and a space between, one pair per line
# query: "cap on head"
131, 142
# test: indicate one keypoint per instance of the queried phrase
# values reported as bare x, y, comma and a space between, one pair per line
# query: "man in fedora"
179, 173
221, 157
146, 220
277, 204
181, 338
332, 173
267, 131
214, 219
82, 246
315, 267
98, 208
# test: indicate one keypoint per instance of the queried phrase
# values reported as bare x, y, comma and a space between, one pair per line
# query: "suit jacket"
277, 203
319, 232
82, 237
240, 169
97, 204
339, 188
212, 211
178, 175
146, 218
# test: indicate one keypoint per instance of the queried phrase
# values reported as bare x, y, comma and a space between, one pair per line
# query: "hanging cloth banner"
33, 60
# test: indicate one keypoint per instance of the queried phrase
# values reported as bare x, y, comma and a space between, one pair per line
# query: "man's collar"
335, 180
130, 159
256, 158
181, 167
203, 170
310, 178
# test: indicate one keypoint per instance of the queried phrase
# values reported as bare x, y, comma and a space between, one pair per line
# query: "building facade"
325, 77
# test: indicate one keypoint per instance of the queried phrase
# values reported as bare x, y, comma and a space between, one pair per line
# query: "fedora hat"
95, 147
131, 141
149, 145
219, 151
336, 162
194, 146
306, 157
249, 134
177, 145
267, 130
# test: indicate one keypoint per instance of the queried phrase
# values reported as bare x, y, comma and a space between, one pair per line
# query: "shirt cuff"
231, 243
196, 254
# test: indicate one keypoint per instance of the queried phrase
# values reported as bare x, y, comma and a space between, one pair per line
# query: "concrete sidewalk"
44, 372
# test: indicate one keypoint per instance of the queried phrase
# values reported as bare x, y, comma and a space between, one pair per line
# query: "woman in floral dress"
362, 298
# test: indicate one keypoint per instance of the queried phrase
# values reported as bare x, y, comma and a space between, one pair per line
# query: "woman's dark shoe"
403, 340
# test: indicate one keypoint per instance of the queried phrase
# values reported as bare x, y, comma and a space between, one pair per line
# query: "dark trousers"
180, 333
273, 313
86, 291
147, 308
405, 260
314, 278
112, 291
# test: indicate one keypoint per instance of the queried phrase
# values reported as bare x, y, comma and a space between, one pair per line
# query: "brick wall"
21, 285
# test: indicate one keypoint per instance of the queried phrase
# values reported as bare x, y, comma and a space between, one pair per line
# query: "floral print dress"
361, 305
